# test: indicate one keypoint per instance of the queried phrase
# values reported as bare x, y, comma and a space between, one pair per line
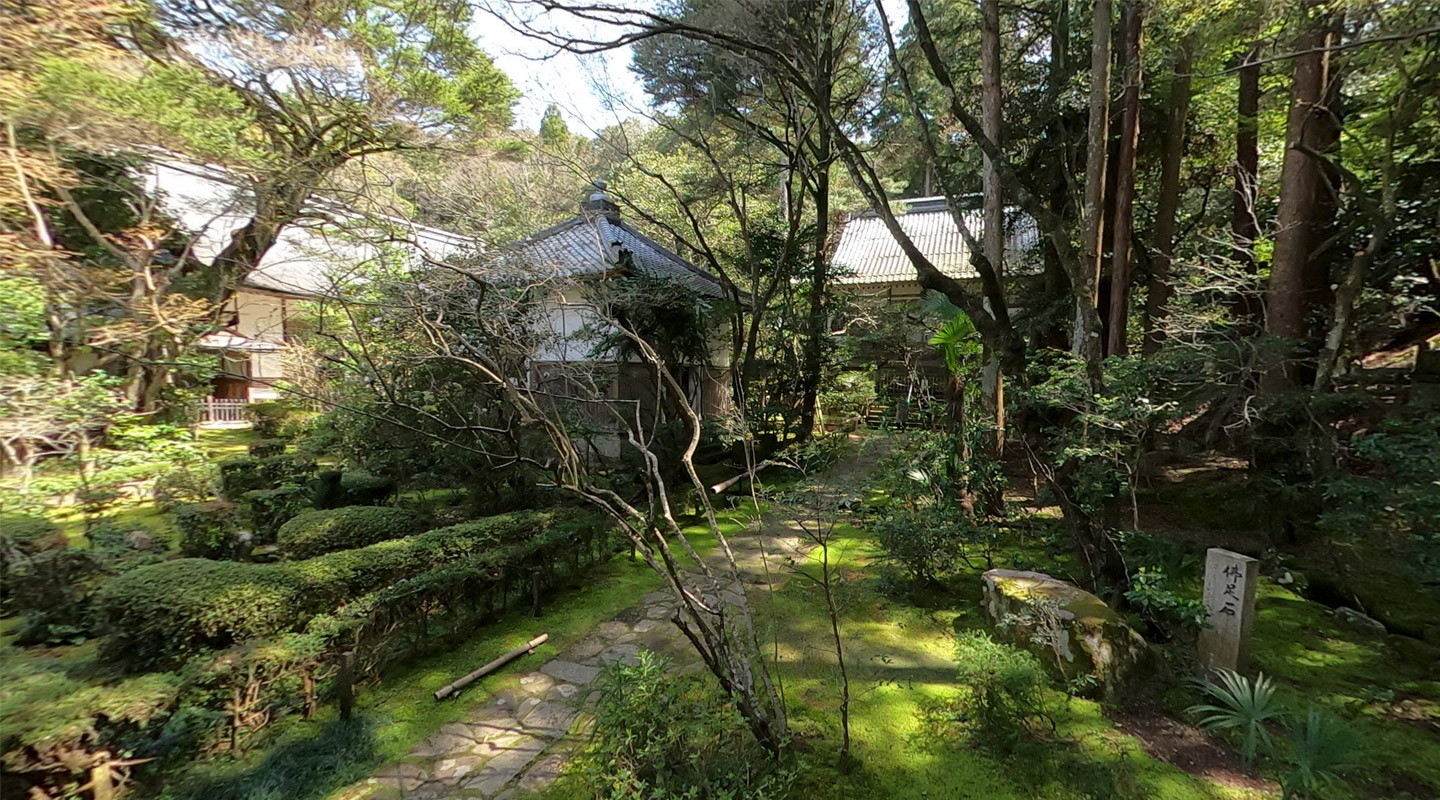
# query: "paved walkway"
520, 740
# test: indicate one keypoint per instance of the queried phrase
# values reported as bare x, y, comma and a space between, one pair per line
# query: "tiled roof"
592, 244
867, 253
309, 258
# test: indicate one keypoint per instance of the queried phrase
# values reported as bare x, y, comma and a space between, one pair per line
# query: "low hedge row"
315, 533
419, 614
158, 615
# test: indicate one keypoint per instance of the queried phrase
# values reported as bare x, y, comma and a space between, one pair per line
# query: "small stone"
1358, 621
570, 672
660, 612
647, 625
626, 639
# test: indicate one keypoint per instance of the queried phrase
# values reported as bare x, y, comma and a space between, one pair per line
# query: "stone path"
520, 740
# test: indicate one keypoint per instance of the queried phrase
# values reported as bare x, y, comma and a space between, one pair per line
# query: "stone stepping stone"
627, 654
565, 691
570, 672
660, 612
542, 773
450, 771
405, 777
646, 625
550, 719
499, 744
534, 683
589, 647
505, 767
611, 629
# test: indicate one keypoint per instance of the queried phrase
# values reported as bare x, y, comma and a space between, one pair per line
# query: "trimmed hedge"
249, 474
159, 615
336, 489
272, 508
207, 530
316, 533
267, 448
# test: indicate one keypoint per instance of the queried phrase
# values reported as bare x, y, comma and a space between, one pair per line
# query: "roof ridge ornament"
600, 204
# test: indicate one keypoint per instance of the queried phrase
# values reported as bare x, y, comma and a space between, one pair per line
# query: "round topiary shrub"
318, 532
158, 615
207, 530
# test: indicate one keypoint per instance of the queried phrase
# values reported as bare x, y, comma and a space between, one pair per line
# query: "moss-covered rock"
1070, 629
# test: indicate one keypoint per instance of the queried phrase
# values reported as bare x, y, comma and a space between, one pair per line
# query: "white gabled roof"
868, 254
310, 258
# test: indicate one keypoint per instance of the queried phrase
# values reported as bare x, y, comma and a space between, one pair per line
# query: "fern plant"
1322, 745
1240, 704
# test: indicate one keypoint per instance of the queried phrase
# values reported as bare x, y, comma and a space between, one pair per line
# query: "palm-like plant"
955, 337
1240, 704
1322, 746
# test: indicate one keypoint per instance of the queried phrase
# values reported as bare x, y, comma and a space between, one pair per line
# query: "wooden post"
345, 684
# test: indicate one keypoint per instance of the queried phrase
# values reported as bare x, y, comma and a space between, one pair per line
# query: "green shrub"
240, 475
23, 535
53, 590
1007, 687
272, 508
928, 543
267, 419
265, 448
207, 530
664, 735
162, 613
336, 489
277, 471
315, 533
188, 484
158, 615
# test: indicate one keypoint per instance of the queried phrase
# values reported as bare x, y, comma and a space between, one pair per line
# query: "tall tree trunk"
1125, 181
824, 156
1244, 226
1157, 297
1302, 180
992, 380
1086, 335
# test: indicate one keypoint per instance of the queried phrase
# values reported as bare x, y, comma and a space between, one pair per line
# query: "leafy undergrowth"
1392, 698
907, 736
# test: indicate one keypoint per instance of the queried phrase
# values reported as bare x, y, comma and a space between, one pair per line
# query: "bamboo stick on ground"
528, 647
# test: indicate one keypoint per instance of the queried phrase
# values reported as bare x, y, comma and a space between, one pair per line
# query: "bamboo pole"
528, 647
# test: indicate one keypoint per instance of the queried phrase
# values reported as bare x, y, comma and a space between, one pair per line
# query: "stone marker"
1230, 598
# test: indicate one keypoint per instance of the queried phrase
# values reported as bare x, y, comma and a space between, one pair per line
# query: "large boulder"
1070, 629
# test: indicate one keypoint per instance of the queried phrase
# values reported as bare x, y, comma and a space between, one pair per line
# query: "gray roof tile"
867, 253
590, 245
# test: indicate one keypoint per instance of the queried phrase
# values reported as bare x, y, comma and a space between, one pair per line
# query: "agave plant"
1322, 745
1240, 704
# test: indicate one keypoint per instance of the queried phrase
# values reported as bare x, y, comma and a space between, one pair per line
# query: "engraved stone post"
1230, 597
